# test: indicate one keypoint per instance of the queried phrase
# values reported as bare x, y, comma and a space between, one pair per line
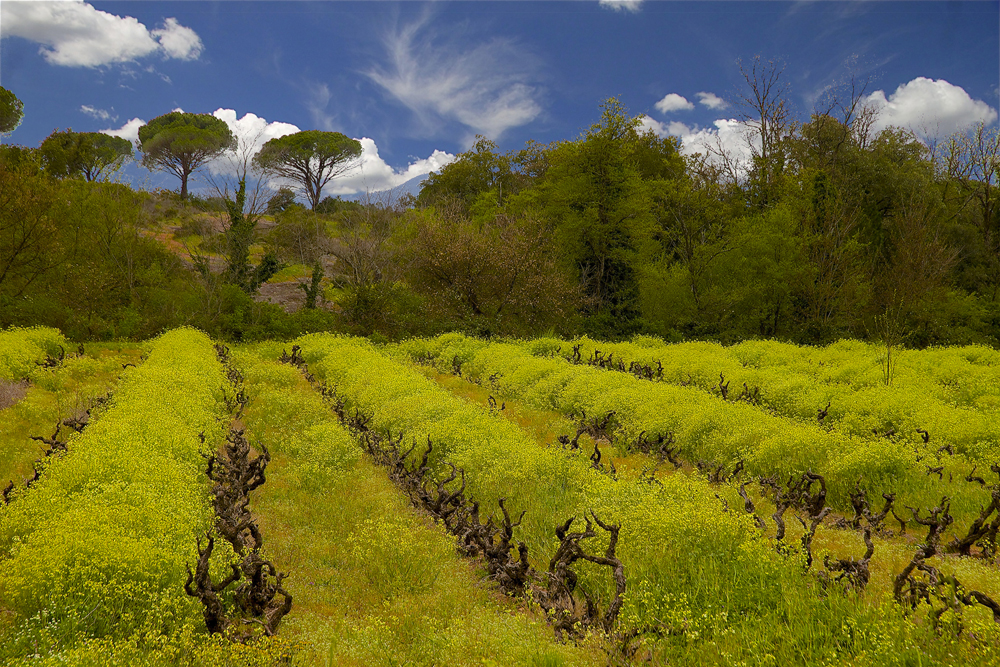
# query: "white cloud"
647, 123
711, 100
75, 34
619, 5
932, 109
129, 130
178, 41
673, 102
727, 134
99, 114
251, 131
373, 174
484, 87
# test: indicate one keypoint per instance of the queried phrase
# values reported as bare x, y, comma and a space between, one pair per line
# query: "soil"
12, 392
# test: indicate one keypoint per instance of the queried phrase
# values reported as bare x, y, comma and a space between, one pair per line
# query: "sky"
416, 82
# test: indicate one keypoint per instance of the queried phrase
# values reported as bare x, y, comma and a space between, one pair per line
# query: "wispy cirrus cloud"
485, 85
99, 114
318, 97
74, 33
622, 5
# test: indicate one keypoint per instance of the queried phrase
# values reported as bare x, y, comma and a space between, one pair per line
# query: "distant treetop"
182, 142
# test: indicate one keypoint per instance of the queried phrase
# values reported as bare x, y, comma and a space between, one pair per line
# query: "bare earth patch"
12, 392
288, 295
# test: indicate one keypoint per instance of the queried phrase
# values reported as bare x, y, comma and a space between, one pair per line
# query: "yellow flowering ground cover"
52, 395
21, 348
710, 429
97, 548
93, 555
892, 551
713, 588
951, 393
374, 581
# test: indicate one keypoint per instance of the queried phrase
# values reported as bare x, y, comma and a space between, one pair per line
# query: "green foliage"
11, 111
239, 237
311, 158
29, 213
300, 236
89, 154
312, 290
181, 142
282, 200
478, 175
334, 205
594, 191
498, 276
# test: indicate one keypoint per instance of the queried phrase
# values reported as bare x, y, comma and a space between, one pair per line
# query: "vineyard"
460, 501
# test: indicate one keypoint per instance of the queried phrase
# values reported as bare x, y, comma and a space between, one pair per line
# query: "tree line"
820, 230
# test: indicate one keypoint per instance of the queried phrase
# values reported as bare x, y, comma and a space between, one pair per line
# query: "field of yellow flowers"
455, 501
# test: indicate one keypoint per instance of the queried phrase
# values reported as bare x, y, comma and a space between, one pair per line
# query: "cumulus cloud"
129, 130
621, 5
251, 132
373, 174
711, 100
673, 102
726, 134
932, 109
647, 124
75, 34
178, 41
99, 114
483, 86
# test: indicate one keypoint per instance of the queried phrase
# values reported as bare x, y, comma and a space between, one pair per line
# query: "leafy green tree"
311, 158
91, 154
11, 111
29, 243
182, 142
480, 171
239, 237
282, 200
312, 290
972, 164
500, 277
593, 189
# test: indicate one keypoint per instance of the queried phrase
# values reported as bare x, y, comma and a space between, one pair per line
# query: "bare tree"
765, 110
972, 161
362, 248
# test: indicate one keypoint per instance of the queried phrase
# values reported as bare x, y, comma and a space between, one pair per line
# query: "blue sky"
417, 81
